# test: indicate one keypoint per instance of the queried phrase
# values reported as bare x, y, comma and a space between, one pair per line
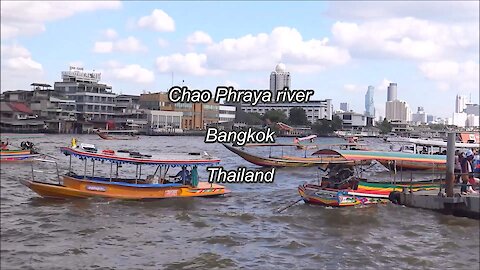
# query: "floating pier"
449, 202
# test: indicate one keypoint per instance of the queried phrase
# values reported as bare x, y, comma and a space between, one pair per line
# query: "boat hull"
314, 194
17, 156
117, 137
85, 188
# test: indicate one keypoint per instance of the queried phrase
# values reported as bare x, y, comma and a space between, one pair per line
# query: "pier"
450, 201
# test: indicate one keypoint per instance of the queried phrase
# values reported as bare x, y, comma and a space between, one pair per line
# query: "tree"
385, 126
337, 122
275, 116
326, 127
298, 117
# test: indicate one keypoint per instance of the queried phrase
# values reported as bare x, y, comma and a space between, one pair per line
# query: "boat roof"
433, 142
383, 155
166, 159
296, 144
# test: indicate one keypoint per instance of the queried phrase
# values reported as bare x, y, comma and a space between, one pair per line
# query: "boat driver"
183, 174
4, 145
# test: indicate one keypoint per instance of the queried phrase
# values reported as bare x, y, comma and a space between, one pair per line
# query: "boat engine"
26, 145
339, 175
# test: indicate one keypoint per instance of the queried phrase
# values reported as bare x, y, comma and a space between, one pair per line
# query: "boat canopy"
433, 143
382, 155
167, 160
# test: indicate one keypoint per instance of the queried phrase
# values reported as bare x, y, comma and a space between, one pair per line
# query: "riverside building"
196, 116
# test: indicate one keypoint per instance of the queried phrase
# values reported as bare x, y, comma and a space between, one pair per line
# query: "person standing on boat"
467, 172
458, 168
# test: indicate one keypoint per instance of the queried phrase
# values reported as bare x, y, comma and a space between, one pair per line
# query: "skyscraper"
344, 106
392, 92
460, 103
279, 79
369, 103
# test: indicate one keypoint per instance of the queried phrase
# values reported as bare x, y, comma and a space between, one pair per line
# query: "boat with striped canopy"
408, 161
158, 185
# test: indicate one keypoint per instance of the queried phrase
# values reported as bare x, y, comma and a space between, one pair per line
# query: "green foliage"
298, 117
385, 126
275, 116
251, 118
325, 127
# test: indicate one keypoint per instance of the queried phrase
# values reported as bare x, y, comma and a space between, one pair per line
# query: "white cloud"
283, 44
18, 68
190, 63
404, 38
132, 73
431, 10
383, 85
231, 83
29, 17
199, 37
76, 64
353, 87
158, 21
162, 43
458, 76
110, 33
258, 52
130, 44
103, 47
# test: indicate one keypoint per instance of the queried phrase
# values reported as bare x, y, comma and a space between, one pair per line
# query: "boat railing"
44, 171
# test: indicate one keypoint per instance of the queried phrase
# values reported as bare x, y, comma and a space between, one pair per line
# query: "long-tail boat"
341, 188
26, 153
143, 186
283, 161
400, 160
118, 134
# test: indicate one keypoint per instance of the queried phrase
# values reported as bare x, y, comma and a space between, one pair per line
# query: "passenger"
296, 140
467, 173
458, 167
4, 145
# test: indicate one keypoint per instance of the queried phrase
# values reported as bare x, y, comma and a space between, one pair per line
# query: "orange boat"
154, 186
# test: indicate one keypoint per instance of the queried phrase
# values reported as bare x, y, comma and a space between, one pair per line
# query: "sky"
430, 49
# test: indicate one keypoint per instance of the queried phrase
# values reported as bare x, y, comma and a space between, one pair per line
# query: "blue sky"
430, 49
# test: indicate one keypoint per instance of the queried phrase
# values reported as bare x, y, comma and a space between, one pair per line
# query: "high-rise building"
344, 106
279, 79
420, 117
369, 103
460, 103
392, 92
398, 110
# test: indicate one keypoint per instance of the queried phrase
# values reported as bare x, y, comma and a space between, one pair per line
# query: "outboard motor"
27, 145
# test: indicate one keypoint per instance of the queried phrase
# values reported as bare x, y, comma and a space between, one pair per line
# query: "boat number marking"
171, 193
96, 188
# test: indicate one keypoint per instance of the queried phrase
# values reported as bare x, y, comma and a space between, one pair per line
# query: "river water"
238, 231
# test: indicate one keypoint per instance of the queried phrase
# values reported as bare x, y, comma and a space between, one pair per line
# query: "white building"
226, 113
420, 117
164, 121
315, 109
460, 103
352, 120
344, 106
279, 79
472, 121
459, 119
398, 110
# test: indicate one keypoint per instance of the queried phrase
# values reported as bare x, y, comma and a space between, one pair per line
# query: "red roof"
20, 107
